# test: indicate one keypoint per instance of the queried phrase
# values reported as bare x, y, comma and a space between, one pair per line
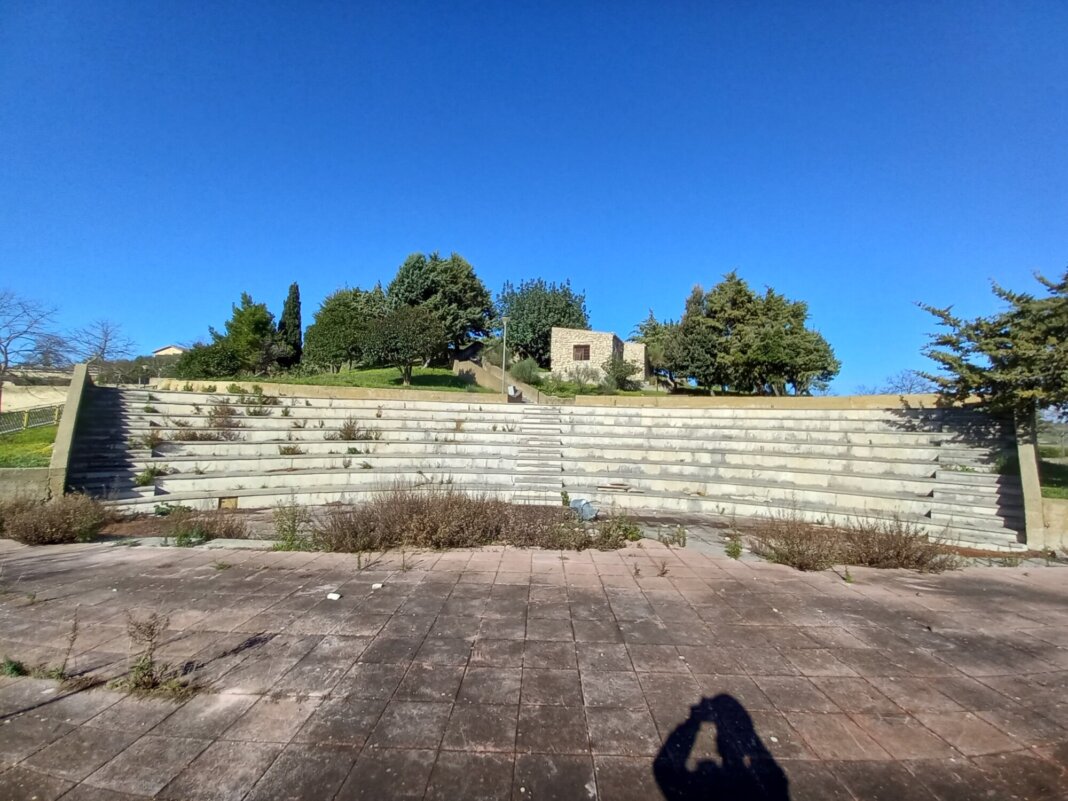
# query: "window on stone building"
581, 353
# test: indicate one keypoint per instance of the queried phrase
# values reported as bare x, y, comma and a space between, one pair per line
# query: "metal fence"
11, 422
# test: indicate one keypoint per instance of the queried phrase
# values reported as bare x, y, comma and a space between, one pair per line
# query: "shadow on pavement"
745, 769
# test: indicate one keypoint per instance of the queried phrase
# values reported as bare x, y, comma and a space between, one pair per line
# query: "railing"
10, 422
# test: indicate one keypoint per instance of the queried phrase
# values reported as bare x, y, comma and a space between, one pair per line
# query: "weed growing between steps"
70, 518
790, 540
351, 431
224, 416
147, 477
448, 518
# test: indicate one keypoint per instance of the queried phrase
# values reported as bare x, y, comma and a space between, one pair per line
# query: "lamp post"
504, 359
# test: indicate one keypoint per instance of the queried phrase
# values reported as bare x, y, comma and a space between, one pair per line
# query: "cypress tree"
289, 328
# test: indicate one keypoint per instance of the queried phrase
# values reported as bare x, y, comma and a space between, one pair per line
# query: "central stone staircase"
540, 464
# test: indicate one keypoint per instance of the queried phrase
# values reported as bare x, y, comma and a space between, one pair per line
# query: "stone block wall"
634, 352
602, 347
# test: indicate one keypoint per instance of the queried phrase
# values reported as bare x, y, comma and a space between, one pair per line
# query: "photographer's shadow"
745, 771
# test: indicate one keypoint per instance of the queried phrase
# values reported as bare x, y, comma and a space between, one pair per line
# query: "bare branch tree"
102, 340
906, 382
23, 324
50, 352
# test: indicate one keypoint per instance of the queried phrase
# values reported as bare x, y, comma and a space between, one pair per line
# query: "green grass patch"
29, 448
1054, 479
433, 378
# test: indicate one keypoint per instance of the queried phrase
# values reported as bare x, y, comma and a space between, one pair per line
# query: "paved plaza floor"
647, 673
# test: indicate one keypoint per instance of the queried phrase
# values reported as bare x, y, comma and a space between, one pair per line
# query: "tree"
50, 351
905, 382
252, 336
290, 331
406, 336
534, 308
735, 340
24, 323
101, 341
656, 336
1012, 361
141, 368
450, 289
217, 360
339, 332
618, 372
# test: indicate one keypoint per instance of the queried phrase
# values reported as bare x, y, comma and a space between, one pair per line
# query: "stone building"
576, 348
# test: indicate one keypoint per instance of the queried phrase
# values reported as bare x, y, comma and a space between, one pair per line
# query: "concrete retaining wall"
1055, 514
24, 482
61, 450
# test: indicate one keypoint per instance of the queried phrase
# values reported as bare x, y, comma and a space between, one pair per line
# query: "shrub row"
448, 518
787, 539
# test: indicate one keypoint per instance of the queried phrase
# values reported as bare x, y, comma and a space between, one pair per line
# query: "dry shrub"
70, 518
790, 540
435, 518
445, 517
188, 527
787, 539
10, 508
895, 543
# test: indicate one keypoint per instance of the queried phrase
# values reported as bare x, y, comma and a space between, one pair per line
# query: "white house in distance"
169, 350
570, 348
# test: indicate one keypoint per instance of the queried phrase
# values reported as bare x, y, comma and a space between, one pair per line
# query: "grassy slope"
1054, 479
434, 378
29, 448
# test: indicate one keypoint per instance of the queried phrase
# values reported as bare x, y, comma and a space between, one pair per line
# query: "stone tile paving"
503, 674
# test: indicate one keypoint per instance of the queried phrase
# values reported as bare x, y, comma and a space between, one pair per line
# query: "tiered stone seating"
934, 467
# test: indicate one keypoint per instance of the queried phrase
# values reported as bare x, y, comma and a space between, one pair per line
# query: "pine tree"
1013, 361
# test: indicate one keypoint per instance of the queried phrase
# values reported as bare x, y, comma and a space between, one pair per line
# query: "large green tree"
1013, 361
533, 308
251, 334
338, 335
449, 288
736, 340
404, 337
290, 331
217, 360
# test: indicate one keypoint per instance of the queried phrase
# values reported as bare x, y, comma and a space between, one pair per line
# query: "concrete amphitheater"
824, 459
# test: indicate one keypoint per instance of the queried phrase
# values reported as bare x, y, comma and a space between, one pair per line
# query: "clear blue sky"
156, 159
